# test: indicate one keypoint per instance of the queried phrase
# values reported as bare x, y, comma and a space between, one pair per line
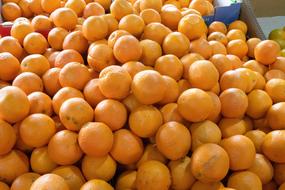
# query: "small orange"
19, 30
90, 28
75, 40
197, 72
222, 63
35, 63
8, 137
93, 9
151, 51
97, 184
133, 24
169, 65
236, 34
63, 148
150, 4
144, 90
77, 6
40, 103
65, 18
35, 43
123, 138
41, 162
24, 182
28, 82
126, 180
10, 66
210, 157
92, 93
241, 151
150, 16
50, 181
74, 113
218, 36
153, 175
217, 26
238, 24
269, 48
218, 48
50, 5
170, 16
11, 11
244, 180
252, 43
103, 167
274, 88
176, 43
121, 8
11, 45
203, 6
237, 47
156, 32
41, 23
202, 47
56, 37
51, 81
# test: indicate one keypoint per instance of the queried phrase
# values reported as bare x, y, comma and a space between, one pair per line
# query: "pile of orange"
137, 94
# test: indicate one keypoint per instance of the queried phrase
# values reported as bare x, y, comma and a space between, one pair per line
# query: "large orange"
11, 11
133, 24
169, 65
65, 18
28, 82
95, 28
50, 181
237, 47
24, 182
170, 16
8, 137
41, 23
14, 104
35, 43
10, 66
176, 43
35, 63
266, 52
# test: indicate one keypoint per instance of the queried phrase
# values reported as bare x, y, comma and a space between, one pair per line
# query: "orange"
193, 26
170, 16
217, 26
98, 42
198, 185
151, 51
28, 82
10, 66
279, 176
24, 182
14, 104
77, 6
103, 167
113, 24
113, 77
274, 74
11, 45
74, 70
218, 36
19, 30
56, 37
209, 157
188, 11
156, 32
222, 63
20, 145
50, 5
96, 184
241, 152
176, 43
234, 79
153, 175
151, 4
133, 24
218, 48
8, 137
181, 175
35, 63
237, 47
36, 7
51, 81
92, 93
102, 133
93, 9
134, 67
231, 127
252, 43
42, 124
75, 40
123, 138
121, 51
197, 72
131, 102
238, 24
114, 36
74, 113
203, 6
278, 64
145, 126
40, 103
269, 48
275, 89
172, 91
236, 34
170, 113
121, 8
51, 58
274, 116
257, 137
173, 133
236, 62
50, 181
151, 152
196, 100
111, 112
215, 114
203, 133
150, 16
35, 43
144, 90
63, 148
183, 85
65, 18
41, 23
255, 66
100, 56
126, 180
89, 31
187, 60
263, 168
72, 176
169, 65
234, 103
11, 11
12, 165
62, 95
25, 8
41, 162
244, 180
202, 47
